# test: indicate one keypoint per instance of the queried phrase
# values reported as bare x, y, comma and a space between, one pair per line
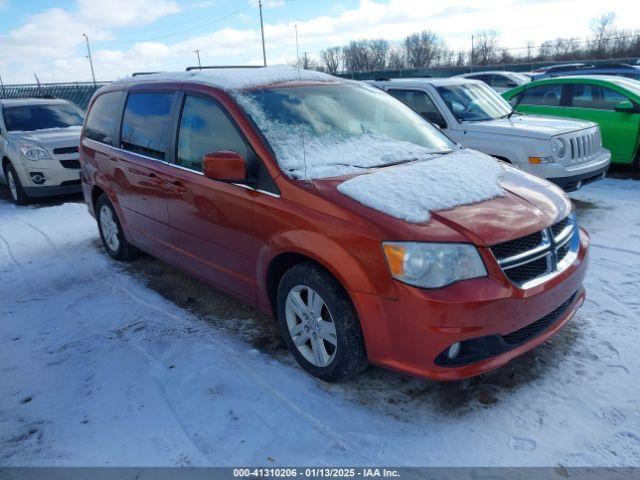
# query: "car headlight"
34, 152
433, 265
558, 147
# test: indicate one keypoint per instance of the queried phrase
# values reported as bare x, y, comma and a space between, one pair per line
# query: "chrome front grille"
530, 260
582, 147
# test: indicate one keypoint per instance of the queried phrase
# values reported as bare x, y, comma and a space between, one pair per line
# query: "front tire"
18, 196
319, 324
110, 230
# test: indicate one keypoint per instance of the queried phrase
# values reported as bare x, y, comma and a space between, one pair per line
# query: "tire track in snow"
308, 417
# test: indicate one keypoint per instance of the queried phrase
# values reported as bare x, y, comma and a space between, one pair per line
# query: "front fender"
321, 249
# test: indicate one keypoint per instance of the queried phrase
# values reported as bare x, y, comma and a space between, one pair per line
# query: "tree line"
427, 49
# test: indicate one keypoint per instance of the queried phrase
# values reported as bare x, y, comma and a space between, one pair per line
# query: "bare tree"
379, 53
485, 48
331, 59
602, 28
365, 55
422, 49
396, 59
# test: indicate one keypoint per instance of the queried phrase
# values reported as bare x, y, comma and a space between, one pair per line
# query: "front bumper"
409, 334
48, 178
573, 177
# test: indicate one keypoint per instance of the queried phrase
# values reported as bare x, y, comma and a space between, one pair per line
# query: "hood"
531, 126
529, 205
50, 138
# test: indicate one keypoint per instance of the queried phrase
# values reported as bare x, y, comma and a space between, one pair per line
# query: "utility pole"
197, 52
471, 59
93, 74
264, 52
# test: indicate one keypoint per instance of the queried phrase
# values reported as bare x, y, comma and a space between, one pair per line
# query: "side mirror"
225, 166
626, 106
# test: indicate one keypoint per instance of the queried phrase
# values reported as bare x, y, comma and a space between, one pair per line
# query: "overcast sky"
45, 37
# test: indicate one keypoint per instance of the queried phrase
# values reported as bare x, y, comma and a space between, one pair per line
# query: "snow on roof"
237, 78
412, 192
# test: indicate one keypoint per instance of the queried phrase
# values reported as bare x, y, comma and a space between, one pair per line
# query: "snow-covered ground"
105, 364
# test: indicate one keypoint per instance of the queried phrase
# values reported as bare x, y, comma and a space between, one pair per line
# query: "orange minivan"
367, 234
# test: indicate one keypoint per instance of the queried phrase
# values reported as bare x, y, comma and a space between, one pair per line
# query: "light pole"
264, 52
197, 52
93, 75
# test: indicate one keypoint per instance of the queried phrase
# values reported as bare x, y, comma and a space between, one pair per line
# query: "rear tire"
18, 196
110, 230
319, 323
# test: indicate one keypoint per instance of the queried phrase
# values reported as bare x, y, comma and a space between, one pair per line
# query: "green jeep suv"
611, 102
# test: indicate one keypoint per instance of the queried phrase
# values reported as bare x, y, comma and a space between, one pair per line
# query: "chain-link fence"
78, 93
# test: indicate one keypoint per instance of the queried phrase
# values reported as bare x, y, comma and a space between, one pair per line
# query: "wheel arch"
275, 260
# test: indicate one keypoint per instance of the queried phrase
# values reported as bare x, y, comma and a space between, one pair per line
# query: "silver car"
39, 147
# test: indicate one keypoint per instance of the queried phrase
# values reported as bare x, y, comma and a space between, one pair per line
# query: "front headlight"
558, 147
433, 265
34, 152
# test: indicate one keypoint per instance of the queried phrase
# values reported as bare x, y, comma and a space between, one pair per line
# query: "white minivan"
474, 115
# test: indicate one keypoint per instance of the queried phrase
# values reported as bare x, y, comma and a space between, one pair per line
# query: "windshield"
27, 118
319, 131
474, 102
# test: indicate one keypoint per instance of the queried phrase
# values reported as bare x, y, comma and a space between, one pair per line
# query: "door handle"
178, 187
154, 179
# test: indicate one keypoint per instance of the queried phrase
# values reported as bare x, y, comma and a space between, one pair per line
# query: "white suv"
472, 114
39, 147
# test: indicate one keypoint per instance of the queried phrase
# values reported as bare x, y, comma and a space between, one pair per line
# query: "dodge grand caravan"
367, 234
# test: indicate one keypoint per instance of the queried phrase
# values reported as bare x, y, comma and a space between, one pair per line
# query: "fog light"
454, 350
38, 178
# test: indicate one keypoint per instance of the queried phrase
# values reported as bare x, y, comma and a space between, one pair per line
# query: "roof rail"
137, 74
215, 67
615, 65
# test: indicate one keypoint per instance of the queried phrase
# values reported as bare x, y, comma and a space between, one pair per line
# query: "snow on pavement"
105, 364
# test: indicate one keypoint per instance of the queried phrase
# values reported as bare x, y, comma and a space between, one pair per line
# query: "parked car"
619, 69
611, 102
500, 81
39, 147
472, 114
250, 179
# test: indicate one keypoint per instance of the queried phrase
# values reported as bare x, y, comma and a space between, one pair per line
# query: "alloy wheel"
109, 228
13, 188
311, 325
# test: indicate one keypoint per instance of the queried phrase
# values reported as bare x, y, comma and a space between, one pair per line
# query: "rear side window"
205, 128
101, 121
595, 96
501, 81
146, 124
421, 103
549, 95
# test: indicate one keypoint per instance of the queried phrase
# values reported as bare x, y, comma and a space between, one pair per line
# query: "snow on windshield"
320, 132
412, 192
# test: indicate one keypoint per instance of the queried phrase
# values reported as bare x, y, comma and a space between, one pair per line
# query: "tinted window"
595, 96
27, 118
146, 124
542, 95
101, 120
482, 78
501, 81
205, 128
420, 103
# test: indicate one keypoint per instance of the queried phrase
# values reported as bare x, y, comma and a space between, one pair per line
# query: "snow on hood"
412, 192
532, 126
330, 154
238, 78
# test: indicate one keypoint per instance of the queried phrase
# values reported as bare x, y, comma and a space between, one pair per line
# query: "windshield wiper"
408, 160
520, 97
